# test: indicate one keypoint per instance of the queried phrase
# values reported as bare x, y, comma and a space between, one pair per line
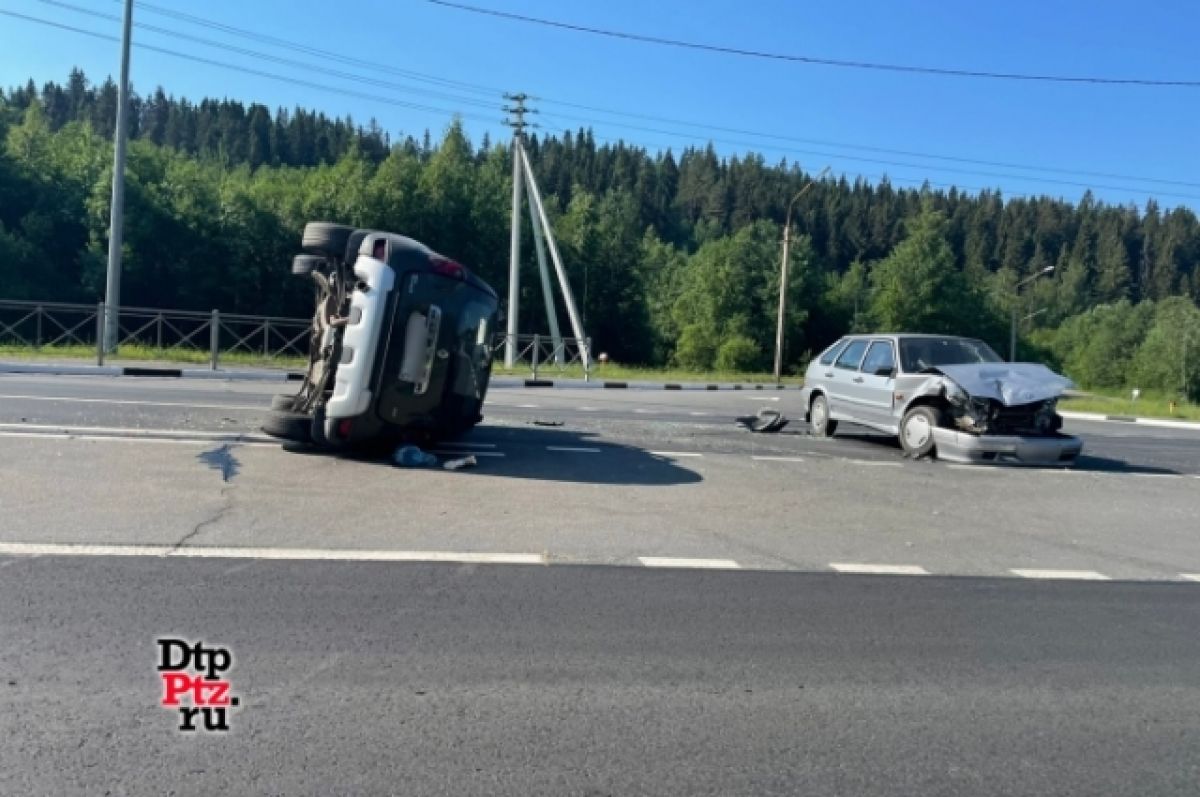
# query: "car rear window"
832, 352
852, 355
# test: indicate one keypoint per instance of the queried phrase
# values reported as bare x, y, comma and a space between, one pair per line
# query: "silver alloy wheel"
818, 414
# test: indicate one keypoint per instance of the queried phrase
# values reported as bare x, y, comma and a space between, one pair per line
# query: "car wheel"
303, 265
294, 426
916, 431
283, 401
323, 238
818, 414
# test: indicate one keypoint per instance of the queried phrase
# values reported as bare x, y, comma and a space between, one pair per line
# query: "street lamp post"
1012, 334
783, 274
112, 285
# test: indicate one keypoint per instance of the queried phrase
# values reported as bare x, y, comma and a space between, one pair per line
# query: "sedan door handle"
857, 379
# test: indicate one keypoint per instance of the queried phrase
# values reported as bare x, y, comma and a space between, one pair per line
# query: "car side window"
879, 358
831, 353
852, 355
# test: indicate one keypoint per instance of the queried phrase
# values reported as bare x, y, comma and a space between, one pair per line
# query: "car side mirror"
888, 372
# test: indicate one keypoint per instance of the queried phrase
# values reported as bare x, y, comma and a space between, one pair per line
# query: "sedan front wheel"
916, 431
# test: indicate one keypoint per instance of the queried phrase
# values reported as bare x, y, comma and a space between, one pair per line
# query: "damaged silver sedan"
949, 397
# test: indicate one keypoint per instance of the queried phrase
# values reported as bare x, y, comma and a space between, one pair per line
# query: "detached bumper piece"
1049, 451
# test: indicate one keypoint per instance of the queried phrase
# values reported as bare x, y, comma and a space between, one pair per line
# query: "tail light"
448, 268
343, 428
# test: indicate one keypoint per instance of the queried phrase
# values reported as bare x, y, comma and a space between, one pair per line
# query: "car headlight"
955, 394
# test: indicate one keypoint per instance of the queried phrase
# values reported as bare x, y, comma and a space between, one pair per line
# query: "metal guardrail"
540, 353
40, 324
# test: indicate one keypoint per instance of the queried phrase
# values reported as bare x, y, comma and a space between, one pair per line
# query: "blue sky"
1134, 132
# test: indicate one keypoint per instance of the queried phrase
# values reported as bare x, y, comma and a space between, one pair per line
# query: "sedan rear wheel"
818, 415
916, 431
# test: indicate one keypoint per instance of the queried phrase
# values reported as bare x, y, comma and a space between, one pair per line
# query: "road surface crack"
216, 517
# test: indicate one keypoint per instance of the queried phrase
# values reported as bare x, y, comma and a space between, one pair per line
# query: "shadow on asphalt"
1107, 465
530, 453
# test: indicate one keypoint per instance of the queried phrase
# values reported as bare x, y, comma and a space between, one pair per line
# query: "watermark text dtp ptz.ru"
194, 683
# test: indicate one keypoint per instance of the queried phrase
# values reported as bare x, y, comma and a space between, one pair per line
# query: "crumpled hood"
1009, 383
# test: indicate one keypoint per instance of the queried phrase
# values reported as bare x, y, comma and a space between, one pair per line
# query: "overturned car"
401, 343
942, 396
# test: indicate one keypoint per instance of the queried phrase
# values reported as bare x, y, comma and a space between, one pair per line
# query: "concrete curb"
142, 371
263, 375
1160, 422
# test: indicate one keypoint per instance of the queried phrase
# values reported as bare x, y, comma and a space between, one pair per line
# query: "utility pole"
112, 289
783, 274
1012, 333
516, 121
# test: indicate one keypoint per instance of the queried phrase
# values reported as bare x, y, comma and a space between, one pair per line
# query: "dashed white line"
332, 554
641, 411
464, 453
1076, 575
777, 459
1190, 576
698, 414
574, 449
527, 406
464, 444
879, 570
761, 398
698, 564
676, 453
876, 464
140, 403
588, 409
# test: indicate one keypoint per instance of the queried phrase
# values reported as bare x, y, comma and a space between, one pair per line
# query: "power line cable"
247, 70
793, 139
806, 59
472, 101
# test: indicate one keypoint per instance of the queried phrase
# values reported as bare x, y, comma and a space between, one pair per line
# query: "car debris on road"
767, 421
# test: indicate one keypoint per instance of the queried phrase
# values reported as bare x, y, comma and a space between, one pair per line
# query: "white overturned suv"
949, 397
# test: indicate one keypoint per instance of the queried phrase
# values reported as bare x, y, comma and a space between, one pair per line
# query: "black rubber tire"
819, 420
303, 265
323, 238
926, 417
283, 402
293, 426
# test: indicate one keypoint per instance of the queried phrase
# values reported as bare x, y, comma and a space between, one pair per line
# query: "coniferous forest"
673, 256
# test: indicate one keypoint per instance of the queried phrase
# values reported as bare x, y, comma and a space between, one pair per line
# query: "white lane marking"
140, 403
67, 429
107, 438
526, 406
464, 444
761, 398
645, 412
574, 449
1078, 575
676, 454
700, 564
875, 464
39, 435
698, 414
316, 554
588, 409
461, 453
882, 570
1190, 576
777, 459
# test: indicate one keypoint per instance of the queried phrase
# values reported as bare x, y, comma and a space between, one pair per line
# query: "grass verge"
1149, 404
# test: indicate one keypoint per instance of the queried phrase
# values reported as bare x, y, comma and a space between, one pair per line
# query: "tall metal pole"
783, 281
783, 274
514, 258
112, 289
547, 291
535, 199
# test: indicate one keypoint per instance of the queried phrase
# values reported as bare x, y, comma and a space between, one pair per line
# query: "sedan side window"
831, 353
879, 359
852, 355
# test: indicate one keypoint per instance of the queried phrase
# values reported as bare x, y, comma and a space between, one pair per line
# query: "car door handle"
857, 379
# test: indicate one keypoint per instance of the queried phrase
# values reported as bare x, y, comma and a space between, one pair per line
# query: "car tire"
294, 426
303, 265
284, 402
818, 413
916, 431
323, 238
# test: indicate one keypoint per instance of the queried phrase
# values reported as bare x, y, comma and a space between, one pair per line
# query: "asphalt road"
459, 680
621, 475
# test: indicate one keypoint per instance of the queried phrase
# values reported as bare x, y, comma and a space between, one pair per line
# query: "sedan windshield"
919, 354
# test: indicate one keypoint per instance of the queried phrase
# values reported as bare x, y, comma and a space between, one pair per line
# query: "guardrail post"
537, 345
99, 333
214, 337
266, 337
37, 335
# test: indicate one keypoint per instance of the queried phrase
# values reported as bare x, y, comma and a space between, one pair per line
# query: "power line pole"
112, 289
516, 121
783, 275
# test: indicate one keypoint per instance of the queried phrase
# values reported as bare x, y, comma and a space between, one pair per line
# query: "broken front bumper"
1055, 451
